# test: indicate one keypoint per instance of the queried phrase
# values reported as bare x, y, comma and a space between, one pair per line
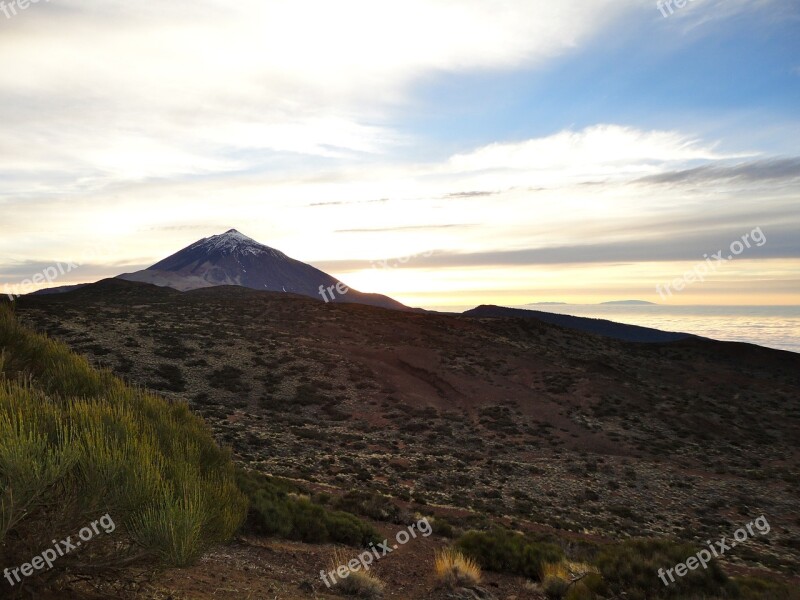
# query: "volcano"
233, 258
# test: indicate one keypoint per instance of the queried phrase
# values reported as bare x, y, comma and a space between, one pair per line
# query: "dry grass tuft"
362, 584
453, 569
567, 570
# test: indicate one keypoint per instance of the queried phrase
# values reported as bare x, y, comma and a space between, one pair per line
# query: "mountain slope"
233, 258
558, 429
619, 331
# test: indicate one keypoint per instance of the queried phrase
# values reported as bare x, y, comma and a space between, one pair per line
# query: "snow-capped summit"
232, 258
232, 238
231, 242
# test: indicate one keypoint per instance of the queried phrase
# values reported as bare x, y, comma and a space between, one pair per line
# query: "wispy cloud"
607, 149
782, 244
786, 169
405, 228
348, 202
475, 194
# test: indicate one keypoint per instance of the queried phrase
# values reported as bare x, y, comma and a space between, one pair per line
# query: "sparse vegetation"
331, 419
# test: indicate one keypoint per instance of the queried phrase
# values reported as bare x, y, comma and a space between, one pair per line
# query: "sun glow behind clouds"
774, 282
157, 125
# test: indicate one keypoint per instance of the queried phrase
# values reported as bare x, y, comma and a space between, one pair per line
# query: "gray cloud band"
47, 275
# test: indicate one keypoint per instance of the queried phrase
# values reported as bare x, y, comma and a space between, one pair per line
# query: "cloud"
345, 202
125, 92
600, 150
404, 228
783, 169
475, 194
649, 247
781, 243
707, 13
64, 271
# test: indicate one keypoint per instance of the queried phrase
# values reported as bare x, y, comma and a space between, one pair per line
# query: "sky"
443, 152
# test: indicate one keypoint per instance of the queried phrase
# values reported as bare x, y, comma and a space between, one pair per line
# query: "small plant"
362, 584
453, 569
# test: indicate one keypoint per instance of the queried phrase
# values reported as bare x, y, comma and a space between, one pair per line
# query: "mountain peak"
232, 258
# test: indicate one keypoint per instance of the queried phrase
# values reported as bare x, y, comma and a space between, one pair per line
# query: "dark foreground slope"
554, 428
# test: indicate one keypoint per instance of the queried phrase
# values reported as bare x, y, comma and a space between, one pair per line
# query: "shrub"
77, 443
581, 591
567, 579
228, 378
172, 376
369, 504
554, 587
453, 569
277, 510
308, 395
755, 588
508, 552
632, 567
443, 528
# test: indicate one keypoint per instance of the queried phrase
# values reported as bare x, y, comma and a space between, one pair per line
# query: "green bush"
277, 509
632, 567
443, 528
77, 443
508, 552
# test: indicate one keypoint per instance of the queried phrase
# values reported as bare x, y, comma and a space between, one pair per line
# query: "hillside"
557, 429
618, 331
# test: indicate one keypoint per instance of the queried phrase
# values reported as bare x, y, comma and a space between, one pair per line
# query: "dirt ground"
266, 569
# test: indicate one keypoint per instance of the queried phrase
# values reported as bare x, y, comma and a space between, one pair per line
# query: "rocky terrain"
478, 420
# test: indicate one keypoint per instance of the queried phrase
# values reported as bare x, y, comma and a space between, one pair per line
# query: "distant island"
618, 302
